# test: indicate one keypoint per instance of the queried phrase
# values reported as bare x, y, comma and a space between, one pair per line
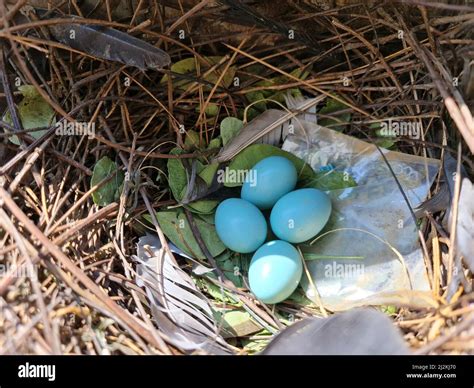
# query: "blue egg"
300, 215
275, 271
268, 181
240, 225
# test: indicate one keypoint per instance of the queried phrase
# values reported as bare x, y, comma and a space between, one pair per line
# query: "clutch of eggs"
268, 181
296, 216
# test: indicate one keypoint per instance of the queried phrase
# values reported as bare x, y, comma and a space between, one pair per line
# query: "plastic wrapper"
368, 253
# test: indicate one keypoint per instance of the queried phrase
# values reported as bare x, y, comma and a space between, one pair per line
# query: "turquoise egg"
300, 215
268, 181
240, 225
275, 271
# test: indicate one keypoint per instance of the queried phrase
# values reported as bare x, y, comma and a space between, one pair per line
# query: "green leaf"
376, 126
338, 122
237, 323
191, 142
227, 254
258, 98
109, 191
33, 111
203, 206
177, 175
215, 143
251, 114
230, 127
208, 172
283, 79
251, 73
184, 66
251, 155
279, 96
383, 139
214, 75
216, 293
234, 266
385, 143
299, 73
255, 346
188, 66
268, 84
200, 187
389, 310
331, 180
176, 227
212, 109
206, 217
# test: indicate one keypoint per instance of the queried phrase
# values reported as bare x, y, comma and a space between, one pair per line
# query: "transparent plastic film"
368, 253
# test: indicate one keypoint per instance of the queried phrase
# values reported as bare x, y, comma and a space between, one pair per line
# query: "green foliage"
251, 155
230, 127
188, 66
33, 111
331, 180
177, 229
339, 121
109, 191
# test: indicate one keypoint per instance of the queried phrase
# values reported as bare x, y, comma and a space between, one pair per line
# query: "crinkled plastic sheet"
368, 253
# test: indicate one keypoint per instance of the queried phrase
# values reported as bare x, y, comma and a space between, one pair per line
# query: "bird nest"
121, 123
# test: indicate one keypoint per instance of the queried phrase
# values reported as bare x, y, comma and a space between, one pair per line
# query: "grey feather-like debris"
465, 223
107, 43
112, 45
442, 199
271, 125
356, 332
179, 309
278, 135
296, 103
268, 121
437, 203
197, 188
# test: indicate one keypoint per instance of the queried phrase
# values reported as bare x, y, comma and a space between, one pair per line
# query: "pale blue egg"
240, 225
268, 181
275, 271
300, 215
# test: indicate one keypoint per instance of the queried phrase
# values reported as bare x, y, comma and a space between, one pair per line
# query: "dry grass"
80, 295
